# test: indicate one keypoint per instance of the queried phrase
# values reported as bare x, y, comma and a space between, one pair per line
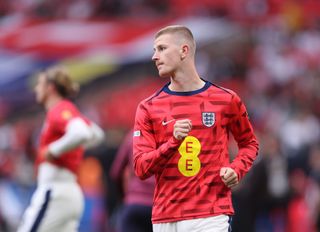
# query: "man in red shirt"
57, 203
181, 136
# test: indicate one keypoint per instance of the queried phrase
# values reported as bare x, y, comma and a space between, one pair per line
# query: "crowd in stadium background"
268, 51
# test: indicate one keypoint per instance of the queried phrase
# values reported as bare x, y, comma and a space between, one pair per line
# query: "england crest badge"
208, 118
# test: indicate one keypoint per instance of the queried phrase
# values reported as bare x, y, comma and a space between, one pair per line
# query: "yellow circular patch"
189, 164
66, 114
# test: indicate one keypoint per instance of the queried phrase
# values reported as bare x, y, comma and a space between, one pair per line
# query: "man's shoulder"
154, 96
219, 94
222, 90
64, 110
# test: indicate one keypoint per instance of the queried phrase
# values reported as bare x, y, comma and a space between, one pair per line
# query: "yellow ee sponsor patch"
189, 164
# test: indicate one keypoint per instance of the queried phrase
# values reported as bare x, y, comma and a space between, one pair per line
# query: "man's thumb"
223, 171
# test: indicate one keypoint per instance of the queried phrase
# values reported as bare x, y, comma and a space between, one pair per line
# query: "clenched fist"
182, 128
229, 177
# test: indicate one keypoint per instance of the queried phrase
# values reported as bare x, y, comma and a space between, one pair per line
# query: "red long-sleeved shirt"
188, 184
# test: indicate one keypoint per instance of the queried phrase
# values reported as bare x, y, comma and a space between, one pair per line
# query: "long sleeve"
242, 131
96, 138
77, 133
147, 157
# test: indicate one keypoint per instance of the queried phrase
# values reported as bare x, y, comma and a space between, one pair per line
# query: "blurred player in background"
181, 136
135, 215
58, 202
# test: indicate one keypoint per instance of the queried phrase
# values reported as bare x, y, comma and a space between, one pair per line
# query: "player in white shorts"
57, 204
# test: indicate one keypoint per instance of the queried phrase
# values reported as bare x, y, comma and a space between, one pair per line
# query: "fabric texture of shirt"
188, 184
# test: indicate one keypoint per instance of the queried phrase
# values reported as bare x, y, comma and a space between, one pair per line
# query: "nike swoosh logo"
167, 122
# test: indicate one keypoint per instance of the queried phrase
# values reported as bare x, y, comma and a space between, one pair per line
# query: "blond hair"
180, 30
62, 81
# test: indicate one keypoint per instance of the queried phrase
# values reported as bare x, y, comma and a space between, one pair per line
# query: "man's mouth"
159, 65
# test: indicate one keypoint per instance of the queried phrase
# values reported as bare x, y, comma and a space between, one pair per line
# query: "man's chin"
164, 75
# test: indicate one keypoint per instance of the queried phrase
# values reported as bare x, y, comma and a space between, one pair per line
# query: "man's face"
166, 55
41, 89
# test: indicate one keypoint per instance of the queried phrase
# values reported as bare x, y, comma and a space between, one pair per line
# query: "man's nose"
155, 56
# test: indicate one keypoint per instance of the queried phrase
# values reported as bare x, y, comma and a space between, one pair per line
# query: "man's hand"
47, 155
182, 128
229, 177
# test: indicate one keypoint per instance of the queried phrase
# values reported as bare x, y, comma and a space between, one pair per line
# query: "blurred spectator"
135, 214
112, 196
267, 185
305, 196
314, 164
90, 179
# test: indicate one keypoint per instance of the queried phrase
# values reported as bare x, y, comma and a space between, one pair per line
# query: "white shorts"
55, 207
219, 223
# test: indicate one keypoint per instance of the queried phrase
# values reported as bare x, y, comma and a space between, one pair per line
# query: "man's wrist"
48, 156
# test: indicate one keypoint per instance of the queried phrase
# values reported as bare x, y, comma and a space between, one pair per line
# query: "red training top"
188, 184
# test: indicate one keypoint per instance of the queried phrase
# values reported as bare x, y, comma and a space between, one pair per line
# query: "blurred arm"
97, 136
78, 132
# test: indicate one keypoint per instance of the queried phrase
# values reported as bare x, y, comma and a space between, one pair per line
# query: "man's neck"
185, 82
52, 101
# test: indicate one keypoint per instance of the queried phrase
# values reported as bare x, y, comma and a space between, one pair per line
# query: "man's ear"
184, 51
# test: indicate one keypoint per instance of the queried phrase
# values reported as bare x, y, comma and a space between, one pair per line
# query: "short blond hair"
180, 30
62, 81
